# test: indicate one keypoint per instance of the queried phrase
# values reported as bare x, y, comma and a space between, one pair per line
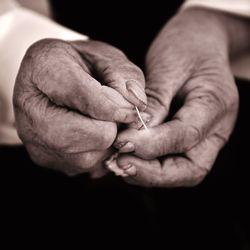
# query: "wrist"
190, 38
236, 28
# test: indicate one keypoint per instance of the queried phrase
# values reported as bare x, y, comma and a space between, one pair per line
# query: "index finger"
174, 171
58, 72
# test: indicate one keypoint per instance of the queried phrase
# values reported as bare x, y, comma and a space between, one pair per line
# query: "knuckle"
47, 44
118, 115
212, 98
216, 101
116, 71
106, 50
43, 47
111, 75
47, 56
133, 70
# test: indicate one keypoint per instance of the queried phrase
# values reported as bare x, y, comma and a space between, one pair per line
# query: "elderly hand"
189, 61
68, 98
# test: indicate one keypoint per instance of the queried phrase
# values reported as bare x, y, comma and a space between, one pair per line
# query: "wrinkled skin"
188, 60
68, 99
69, 96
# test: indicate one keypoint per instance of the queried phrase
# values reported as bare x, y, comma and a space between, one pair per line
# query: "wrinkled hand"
68, 98
189, 61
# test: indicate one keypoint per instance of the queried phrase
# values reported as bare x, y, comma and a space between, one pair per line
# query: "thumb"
112, 68
161, 89
169, 66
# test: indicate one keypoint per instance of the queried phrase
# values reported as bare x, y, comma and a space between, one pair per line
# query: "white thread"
143, 123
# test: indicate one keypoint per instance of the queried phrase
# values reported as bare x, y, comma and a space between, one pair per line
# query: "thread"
139, 115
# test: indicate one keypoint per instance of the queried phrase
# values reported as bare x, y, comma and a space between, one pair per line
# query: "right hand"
68, 98
188, 61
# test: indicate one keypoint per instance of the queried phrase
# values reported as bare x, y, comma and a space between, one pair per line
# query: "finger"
140, 172
60, 74
167, 138
176, 171
125, 78
66, 132
166, 74
201, 111
112, 166
190, 171
69, 164
115, 70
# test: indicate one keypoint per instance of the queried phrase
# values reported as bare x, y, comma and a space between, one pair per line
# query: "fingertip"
127, 148
124, 147
119, 145
131, 171
125, 167
128, 169
137, 94
125, 115
124, 160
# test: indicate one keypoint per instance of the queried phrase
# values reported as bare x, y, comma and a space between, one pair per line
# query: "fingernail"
128, 147
137, 92
145, 117
131, 171
119, 145
125, 167
142, 106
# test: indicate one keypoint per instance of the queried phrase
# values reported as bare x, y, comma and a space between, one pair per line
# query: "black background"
40, 206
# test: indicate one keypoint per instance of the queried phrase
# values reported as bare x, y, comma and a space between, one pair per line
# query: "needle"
143, 123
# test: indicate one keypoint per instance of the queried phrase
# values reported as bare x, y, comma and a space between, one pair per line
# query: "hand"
187, 61
68, 98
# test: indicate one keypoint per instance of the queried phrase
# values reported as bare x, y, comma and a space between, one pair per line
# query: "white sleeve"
239, 7
19, 28
240, 66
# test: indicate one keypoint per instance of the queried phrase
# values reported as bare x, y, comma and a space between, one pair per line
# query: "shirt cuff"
239, 7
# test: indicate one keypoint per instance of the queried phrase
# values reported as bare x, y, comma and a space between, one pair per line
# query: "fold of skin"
189, 61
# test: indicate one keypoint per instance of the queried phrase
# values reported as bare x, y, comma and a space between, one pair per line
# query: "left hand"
68, 98
191, 64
